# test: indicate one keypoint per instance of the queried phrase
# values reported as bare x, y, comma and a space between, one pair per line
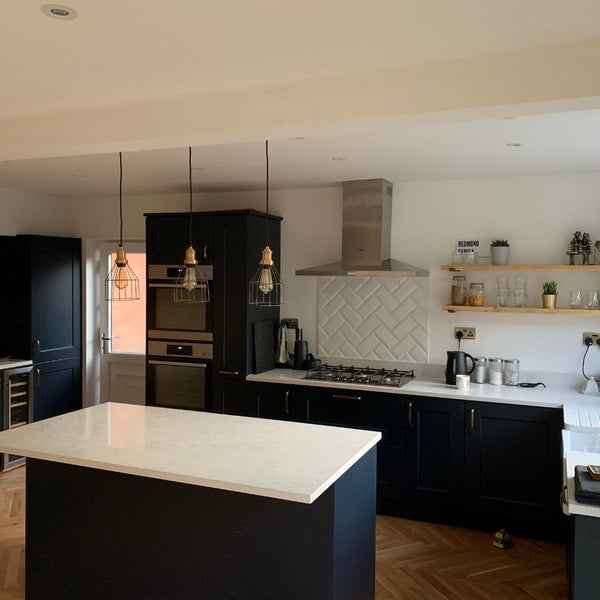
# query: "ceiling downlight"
60, 11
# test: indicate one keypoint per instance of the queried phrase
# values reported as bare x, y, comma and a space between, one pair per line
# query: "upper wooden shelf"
525, 309
520, 267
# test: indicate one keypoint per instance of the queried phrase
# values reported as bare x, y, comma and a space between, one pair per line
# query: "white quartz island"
132, 502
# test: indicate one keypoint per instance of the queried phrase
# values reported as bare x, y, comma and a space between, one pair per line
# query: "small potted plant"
500, 251
549, 294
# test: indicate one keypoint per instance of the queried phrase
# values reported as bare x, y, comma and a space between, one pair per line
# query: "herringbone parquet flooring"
415, 560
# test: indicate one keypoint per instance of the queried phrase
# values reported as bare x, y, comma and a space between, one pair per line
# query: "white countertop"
11, 363
276, 459
561, 390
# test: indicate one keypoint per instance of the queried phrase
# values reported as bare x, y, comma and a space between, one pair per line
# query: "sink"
580, 442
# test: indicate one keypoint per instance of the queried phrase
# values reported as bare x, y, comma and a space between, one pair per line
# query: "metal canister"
479, 374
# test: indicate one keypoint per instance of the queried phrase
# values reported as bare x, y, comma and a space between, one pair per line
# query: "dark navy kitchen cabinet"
513, 463
42, 316
277, 401
167, 238
240, 237
433, 450
229, 397
56, 387
363, 409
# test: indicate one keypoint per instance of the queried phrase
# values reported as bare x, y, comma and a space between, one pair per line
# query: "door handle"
205, 252
229, 372
410, 423
36, 346
287, 402
472, 424
37, 378
340, 397
106, 338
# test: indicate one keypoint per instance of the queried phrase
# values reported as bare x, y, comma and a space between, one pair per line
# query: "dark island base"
101, 535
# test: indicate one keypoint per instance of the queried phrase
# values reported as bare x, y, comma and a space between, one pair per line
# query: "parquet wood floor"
415, 560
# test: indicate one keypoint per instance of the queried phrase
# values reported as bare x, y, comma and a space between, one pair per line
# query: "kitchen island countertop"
275, 459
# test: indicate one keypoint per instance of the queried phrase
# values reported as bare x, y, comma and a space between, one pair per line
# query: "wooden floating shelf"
520, 267
526, 310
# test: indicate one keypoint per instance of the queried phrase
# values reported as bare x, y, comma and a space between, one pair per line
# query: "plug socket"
464, 333
290, 323
589, 335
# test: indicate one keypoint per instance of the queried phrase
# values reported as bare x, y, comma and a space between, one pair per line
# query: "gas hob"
363, 375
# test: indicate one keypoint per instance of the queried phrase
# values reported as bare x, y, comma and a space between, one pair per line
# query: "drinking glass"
502, 282
591, 300
520, 297
520, 281
575, 299
503, 296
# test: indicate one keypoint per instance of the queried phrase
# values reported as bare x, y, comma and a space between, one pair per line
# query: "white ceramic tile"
377, 318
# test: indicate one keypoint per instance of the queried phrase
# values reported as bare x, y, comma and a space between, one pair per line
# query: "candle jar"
459, 290
476, 297
511, 371
495, 371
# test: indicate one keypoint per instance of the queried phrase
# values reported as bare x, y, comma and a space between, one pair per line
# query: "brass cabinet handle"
37, 348
287, 402
229, 372
472, 420
37, 377
205, 252
340, 397
410, 423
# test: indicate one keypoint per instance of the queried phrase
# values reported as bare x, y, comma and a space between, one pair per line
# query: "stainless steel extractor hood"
366, 235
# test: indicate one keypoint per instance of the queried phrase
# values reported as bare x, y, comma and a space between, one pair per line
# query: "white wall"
537, 214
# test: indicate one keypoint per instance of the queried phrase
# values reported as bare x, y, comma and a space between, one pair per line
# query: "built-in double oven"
179, 348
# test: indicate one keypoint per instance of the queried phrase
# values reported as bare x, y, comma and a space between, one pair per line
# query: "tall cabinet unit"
232, 241
44, 303
240, 237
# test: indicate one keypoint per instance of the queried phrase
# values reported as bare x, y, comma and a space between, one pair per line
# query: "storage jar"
476, 297
511, 371
495, 369
459, 290
479, 370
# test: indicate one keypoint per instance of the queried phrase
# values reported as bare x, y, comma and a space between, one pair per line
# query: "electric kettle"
457, 365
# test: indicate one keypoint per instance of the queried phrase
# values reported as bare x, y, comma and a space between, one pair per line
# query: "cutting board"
264, 346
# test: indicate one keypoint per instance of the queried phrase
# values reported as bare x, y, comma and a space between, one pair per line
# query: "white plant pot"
500, 255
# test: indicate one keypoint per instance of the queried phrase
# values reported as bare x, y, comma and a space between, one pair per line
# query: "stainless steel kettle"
457, 365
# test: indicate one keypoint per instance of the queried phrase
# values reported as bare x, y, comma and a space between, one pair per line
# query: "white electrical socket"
468, 333
593, 336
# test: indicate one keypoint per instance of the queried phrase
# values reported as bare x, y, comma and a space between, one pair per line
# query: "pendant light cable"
121, 283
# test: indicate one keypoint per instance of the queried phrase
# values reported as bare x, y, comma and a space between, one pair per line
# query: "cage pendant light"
191, 284
121, 283
266, 287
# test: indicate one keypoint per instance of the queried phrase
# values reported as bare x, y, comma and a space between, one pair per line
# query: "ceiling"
118, 56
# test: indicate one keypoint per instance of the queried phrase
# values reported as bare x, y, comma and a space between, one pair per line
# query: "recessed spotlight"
59, 11
514, 145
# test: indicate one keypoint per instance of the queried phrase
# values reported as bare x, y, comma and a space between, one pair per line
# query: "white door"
123, 333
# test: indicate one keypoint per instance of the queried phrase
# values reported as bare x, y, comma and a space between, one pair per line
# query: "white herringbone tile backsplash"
375, 318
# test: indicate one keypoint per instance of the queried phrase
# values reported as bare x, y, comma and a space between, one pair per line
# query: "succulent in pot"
549, 291
500, 251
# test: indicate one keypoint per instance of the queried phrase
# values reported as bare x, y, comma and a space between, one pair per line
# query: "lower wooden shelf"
526, 310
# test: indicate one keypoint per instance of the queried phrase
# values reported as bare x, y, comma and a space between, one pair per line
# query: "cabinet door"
57, 388
433, 450
274, 401
513, 459
229, 397
167, 238
55, 265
